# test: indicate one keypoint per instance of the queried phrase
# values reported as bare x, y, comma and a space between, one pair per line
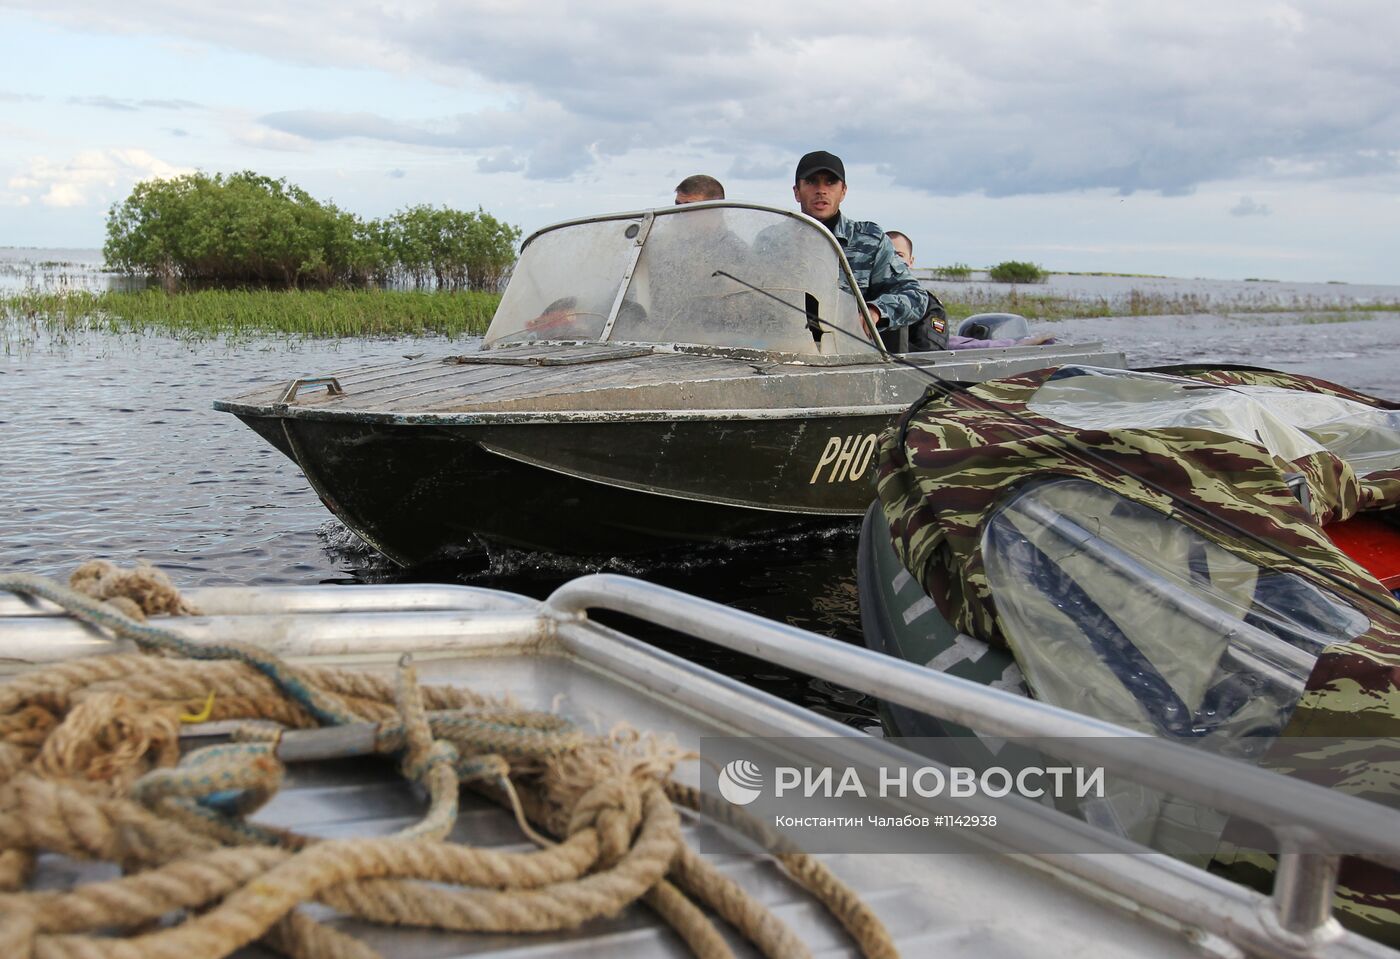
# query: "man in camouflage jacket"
889, 289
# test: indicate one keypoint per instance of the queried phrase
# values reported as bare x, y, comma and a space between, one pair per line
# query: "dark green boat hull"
427, 492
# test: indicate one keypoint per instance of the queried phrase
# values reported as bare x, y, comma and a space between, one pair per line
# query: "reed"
213, 313
347, 313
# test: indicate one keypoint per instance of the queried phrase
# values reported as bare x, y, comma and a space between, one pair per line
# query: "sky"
1237, 139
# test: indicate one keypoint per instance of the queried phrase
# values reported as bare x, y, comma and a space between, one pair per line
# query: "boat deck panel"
958, 904
656, 381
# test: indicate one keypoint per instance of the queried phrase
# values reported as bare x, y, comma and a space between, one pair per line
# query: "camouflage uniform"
882, 276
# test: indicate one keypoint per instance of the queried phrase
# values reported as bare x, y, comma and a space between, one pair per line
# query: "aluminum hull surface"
598, 449
1072, 891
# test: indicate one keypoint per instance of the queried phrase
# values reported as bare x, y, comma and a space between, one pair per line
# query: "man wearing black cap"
894, 297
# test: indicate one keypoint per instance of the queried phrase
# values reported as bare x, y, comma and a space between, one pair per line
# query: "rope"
810, 873
91, 768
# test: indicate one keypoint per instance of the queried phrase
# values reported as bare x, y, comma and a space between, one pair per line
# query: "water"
111, 449
1359, 350
53, 270
1115, 289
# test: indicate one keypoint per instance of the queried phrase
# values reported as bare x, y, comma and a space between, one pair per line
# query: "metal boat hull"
600, 449
1071, 897
421, 493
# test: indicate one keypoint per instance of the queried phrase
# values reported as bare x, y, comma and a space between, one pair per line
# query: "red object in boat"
1373, 542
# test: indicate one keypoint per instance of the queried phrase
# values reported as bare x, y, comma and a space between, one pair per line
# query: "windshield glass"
565, 282
680, 299
569, 277
1288, 423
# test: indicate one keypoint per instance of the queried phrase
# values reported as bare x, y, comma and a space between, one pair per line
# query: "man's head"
820, 184
903, 246
694, 189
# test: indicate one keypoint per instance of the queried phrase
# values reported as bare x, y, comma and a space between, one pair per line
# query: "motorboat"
1042, 884
649, 379
1202, 554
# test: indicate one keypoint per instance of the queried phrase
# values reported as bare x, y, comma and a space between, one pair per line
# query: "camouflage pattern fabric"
960, 458
882, 276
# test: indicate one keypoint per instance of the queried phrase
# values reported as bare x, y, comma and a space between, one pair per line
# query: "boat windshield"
659, 277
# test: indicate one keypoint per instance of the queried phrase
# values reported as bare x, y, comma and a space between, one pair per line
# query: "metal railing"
1311, 823
1306, 819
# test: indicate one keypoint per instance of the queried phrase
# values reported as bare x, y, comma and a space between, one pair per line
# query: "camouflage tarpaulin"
1195, 447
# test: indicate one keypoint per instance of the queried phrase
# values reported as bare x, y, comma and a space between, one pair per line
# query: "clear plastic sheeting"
663, 270
1364, 436
1289, 423
1115, 611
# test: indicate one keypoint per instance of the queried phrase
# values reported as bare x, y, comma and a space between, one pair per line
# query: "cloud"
397, 174
558, 145
1249, 207
93, 176
131, 106
500, 162
264, 138
1002, 98
171, 104
745, 169
104, 103
329, 125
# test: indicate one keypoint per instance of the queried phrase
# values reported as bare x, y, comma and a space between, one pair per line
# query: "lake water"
111, 449
52, 269
1118, 289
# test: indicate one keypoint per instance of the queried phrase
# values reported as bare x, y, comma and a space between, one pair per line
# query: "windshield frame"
648, 217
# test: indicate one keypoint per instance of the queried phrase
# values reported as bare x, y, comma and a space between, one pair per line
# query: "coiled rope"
91, 768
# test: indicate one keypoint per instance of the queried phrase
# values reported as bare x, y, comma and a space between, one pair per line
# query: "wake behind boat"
650, 378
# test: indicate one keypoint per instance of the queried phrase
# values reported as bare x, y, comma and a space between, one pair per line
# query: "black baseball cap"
820, 160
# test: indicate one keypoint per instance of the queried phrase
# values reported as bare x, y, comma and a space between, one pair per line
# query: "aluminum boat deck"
552, 655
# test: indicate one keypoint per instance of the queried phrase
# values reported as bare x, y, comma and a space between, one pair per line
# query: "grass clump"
1017, 271
957, 272
214, 313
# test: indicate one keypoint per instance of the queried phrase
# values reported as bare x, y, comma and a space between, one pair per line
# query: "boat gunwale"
243, 406
519, 418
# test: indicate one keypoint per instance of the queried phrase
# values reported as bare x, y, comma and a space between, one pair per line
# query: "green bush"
246, 229
458, 250
1017, 271
958, 271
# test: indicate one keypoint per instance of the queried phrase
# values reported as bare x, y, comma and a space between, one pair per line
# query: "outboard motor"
994, 326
